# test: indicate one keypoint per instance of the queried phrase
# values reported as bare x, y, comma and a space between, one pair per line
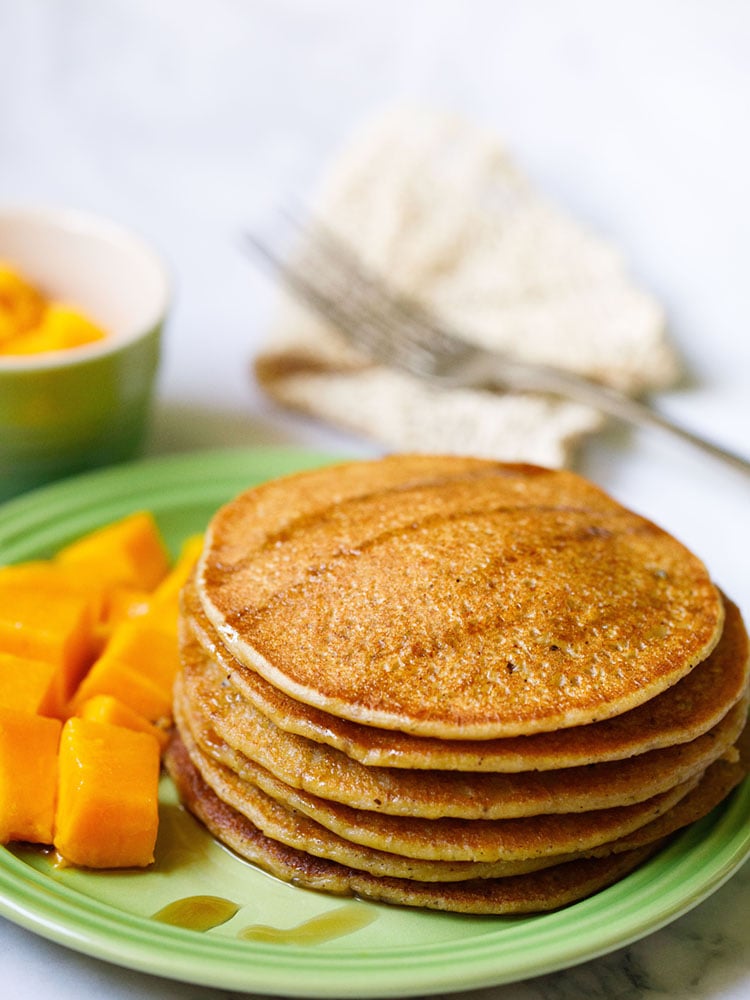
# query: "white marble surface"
186, 119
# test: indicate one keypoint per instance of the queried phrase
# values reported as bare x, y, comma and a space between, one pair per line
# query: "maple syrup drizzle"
326, 927
197, 913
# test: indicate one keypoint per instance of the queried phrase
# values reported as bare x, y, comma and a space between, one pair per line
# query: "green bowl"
65, 411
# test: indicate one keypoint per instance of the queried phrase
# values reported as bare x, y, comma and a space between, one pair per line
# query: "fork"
324, 272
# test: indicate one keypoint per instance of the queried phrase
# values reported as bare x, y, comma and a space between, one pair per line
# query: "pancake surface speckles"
328, 773
683, 712
472, 600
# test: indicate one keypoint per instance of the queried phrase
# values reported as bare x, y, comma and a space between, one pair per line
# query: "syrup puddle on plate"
197, 913
326, 927
202, 913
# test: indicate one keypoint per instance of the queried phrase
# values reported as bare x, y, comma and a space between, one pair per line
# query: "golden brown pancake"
544, 890
293, 829
330, 774
448, 839
296, 830
717, 783
453, 683
467, 599
683, 712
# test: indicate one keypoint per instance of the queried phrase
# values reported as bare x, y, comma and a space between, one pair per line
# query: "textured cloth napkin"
435, 205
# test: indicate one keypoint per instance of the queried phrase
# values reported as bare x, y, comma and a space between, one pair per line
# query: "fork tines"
326, 272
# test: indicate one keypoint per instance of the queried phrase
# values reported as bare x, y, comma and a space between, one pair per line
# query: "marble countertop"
186, 119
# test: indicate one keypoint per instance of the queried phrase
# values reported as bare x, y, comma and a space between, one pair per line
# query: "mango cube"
26, 685
107, 804
138, 666
130, 551
168, 591
58, 631
123, 603
21, 305
28, 776
59, 328
48, 580
107, 708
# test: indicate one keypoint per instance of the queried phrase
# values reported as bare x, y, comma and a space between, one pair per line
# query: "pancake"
544, 890
468, 599
719, 781
447, 839
330, 774
295, 830
683, 712
452, 683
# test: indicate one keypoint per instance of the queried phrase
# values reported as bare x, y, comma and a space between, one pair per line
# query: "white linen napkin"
435, 204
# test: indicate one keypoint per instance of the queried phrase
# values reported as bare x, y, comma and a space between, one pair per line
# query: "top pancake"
682, 713
455, 598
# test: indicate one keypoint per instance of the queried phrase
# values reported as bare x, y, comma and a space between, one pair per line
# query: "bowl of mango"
82, 307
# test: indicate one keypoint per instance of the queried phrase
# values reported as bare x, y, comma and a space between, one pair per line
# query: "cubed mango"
168, 591
26, 685
60, 329
107, 802
150, 651
108, 676
107, 708
48, 579
57, 630
125, 603
138, 666
28, 776
130, 551
122, 603
21, 305
164, 605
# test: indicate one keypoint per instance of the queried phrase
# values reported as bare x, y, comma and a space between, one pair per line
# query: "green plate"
400, 952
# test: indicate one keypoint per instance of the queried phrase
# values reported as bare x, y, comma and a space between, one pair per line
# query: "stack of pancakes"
452, 683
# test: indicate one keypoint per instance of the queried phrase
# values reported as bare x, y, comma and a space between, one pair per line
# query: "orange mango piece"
168, 591
107, 799
138, 666
47, 580
150, 651
26, 685
111, 603
107, 676
58, 631
164, 604
127, 552
37, 572
28, 776
21, 305
122, 603
60, 328
125, 603
107, 708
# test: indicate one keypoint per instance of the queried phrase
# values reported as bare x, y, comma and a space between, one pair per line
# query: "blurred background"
188, 119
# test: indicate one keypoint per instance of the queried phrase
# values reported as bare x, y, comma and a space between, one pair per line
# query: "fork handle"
639, 414
541, 378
